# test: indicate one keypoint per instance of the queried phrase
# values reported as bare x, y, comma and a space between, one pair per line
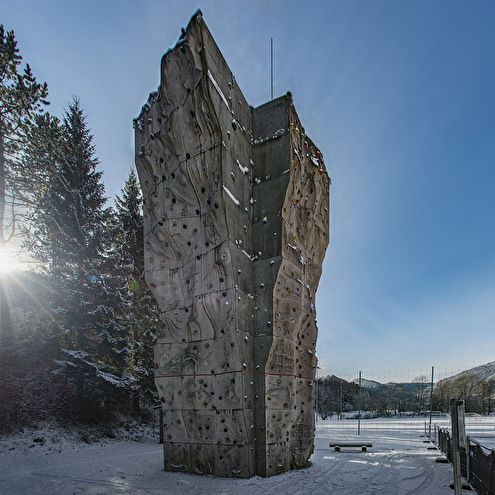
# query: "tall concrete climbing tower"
236, 227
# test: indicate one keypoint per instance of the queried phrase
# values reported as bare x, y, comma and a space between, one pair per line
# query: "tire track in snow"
371, 475
301, 482
420, 479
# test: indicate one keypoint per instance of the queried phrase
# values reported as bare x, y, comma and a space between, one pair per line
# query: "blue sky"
400, 98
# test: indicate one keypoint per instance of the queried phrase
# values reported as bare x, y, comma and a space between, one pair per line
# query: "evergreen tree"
42, 165
130, 228
69, 237
101, 315
80, 218
67, 231
139, 310
21, 97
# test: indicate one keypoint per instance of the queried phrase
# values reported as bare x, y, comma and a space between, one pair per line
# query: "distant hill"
369, 384
483, 372
476, 386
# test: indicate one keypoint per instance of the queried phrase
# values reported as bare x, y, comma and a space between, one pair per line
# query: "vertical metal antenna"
271, 68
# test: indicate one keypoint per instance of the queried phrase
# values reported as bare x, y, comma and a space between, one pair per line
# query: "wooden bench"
362, 445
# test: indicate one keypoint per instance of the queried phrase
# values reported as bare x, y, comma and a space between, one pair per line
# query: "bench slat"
362, 445
351, 444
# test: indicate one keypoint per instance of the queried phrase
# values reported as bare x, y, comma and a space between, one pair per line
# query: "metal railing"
477, 461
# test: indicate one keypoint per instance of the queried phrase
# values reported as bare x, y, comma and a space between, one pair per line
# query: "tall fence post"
431, 400
455, 406
359, 400
468, 461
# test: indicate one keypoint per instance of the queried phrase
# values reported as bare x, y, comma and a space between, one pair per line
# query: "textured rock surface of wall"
236, 228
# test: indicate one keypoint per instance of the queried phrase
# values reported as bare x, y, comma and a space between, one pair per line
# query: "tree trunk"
6, 327
6, 330
2, 189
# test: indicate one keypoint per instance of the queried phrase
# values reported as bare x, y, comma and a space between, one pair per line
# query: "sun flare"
10, 261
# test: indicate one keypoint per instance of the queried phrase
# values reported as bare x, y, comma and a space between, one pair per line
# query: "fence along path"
477, 459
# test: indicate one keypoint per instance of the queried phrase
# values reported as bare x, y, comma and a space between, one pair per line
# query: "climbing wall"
290, 233
230, 195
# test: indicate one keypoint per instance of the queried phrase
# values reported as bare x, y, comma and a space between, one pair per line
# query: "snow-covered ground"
51, 461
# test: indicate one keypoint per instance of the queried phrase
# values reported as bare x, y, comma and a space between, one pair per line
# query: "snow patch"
219, 91
231, 196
